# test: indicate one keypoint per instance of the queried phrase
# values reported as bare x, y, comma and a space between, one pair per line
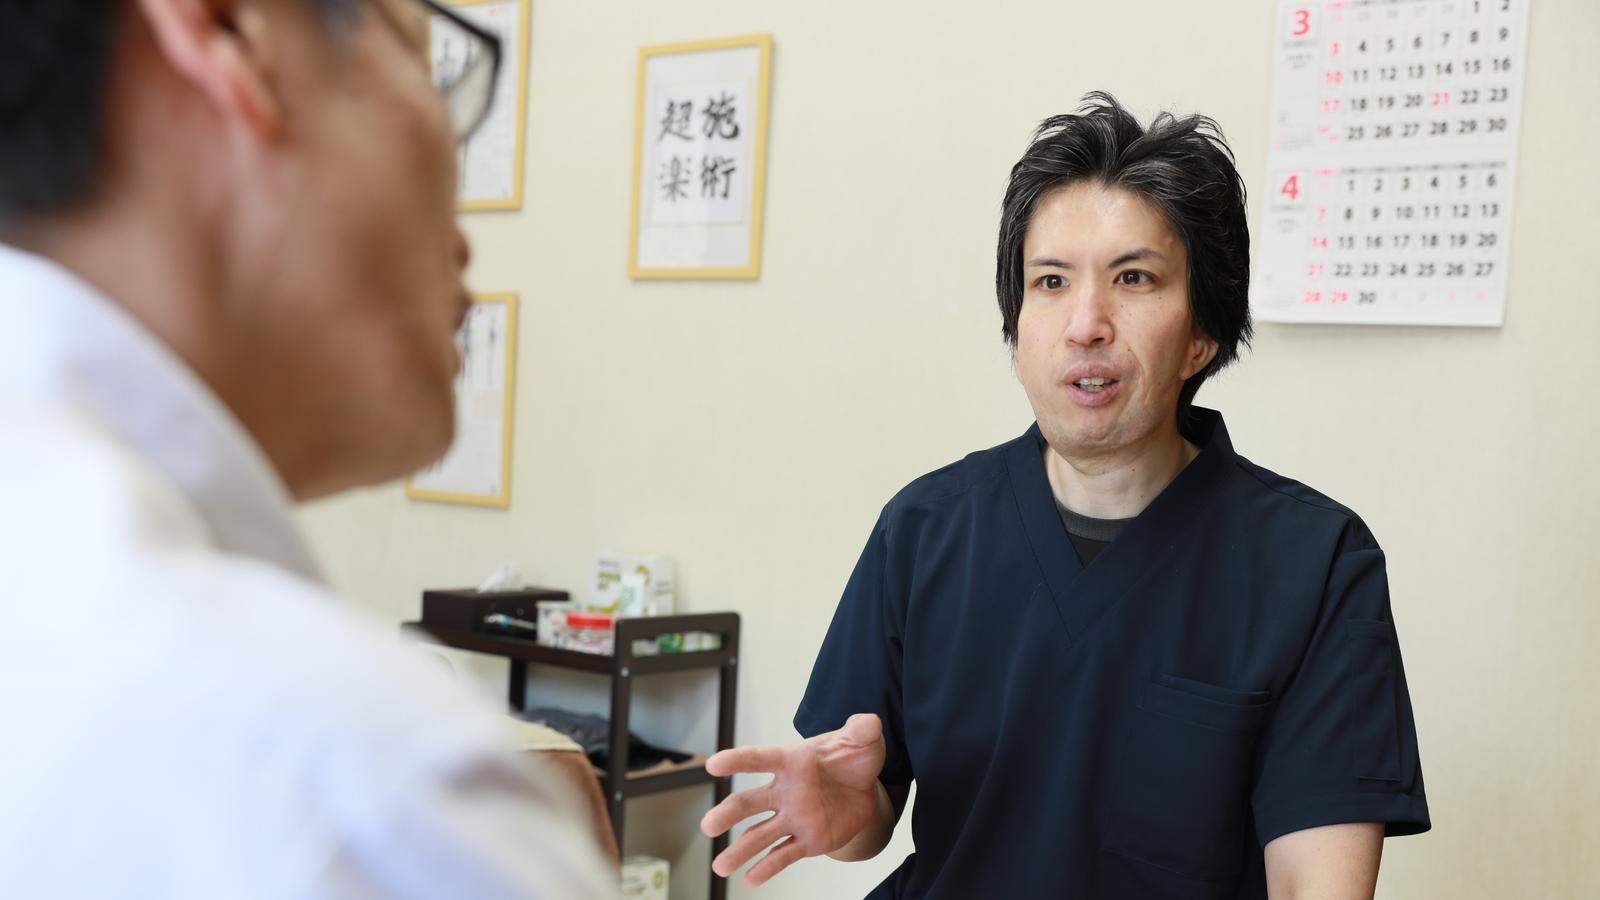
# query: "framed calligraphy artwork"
699, 170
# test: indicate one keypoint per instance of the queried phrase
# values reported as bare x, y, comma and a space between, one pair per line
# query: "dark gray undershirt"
1089, 536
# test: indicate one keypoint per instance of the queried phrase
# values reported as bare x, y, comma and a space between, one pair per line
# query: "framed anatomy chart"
1393, 160
477, 469
699, 160
490, 161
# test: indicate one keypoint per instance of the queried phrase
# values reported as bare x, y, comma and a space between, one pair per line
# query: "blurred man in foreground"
231, 279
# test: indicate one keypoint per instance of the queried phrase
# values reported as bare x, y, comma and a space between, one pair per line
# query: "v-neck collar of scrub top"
1082, 593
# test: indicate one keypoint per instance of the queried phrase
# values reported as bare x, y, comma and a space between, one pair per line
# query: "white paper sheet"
697, 153
475, 465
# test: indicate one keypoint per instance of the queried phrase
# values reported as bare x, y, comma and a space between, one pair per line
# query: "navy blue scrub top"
1225, 672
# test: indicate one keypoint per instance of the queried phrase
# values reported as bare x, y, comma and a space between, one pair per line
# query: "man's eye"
1052, 282
1133, 278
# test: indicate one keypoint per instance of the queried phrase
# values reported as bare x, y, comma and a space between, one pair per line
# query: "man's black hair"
1183, 167
54, 59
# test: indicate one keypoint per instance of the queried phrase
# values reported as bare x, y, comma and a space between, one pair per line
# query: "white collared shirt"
188, 711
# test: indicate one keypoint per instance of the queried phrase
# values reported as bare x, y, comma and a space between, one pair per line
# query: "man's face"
1105, 337
358, 244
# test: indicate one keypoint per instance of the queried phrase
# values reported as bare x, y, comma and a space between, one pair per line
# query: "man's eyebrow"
1050, 262
1134, 255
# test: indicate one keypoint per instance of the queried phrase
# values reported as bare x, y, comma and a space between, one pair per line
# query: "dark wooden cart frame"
623, 667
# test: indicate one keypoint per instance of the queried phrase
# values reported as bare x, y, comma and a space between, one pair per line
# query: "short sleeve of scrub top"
1346, 711
862, 655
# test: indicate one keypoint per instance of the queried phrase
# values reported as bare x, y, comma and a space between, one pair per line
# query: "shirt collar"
1081, 600
67, 344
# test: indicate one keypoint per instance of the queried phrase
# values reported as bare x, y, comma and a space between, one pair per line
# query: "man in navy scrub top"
1117, 658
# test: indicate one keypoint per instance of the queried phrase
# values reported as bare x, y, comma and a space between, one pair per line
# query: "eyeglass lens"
464, 71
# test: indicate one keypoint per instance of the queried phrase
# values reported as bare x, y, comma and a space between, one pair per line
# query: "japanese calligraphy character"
721, 118
715, 171
674, 179
676, 121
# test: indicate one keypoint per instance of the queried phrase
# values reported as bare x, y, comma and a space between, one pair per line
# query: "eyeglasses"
466, 66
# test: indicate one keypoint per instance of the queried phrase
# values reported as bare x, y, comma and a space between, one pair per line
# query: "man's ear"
220, 47
1202, 350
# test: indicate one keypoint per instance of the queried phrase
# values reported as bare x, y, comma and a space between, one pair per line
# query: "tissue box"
660, 586
644, 878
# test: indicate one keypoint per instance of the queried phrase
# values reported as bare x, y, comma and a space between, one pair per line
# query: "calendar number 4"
1291, 187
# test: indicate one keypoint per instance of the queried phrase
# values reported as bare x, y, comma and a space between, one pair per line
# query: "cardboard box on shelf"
660, 589
644, 878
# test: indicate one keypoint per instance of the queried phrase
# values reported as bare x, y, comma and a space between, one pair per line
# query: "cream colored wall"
753, 430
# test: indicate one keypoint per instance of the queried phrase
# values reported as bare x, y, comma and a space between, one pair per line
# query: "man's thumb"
863, 728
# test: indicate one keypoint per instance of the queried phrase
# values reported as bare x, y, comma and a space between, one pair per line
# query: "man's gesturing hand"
824, 791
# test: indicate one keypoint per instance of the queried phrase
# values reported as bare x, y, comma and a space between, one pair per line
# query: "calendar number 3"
1302, 23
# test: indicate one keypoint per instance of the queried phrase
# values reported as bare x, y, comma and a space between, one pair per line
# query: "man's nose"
1089, 317
463, 248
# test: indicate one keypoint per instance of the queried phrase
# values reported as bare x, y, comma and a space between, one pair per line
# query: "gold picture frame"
477, 469
478, 162
710, 249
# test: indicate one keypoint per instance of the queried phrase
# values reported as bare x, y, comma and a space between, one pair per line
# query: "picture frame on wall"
699, 158
477, 469
490, 162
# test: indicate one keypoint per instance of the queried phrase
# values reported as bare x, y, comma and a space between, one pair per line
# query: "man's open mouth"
1094, 385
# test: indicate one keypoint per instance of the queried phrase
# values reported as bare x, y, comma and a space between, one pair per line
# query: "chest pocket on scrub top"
1179, 792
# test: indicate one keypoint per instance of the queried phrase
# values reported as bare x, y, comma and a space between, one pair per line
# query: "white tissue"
504, 578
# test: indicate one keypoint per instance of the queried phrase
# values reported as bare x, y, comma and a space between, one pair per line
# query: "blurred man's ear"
220, 47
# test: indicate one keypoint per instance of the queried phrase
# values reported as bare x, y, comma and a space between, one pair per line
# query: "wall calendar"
1392, 162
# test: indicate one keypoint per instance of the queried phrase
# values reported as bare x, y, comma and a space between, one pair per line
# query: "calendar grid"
1391, 166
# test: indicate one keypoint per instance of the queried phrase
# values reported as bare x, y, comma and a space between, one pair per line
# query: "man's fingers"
863, 728
755, 839
745, 759
777, 859
736, 809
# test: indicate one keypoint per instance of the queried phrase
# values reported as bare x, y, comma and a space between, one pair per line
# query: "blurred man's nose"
463, 248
